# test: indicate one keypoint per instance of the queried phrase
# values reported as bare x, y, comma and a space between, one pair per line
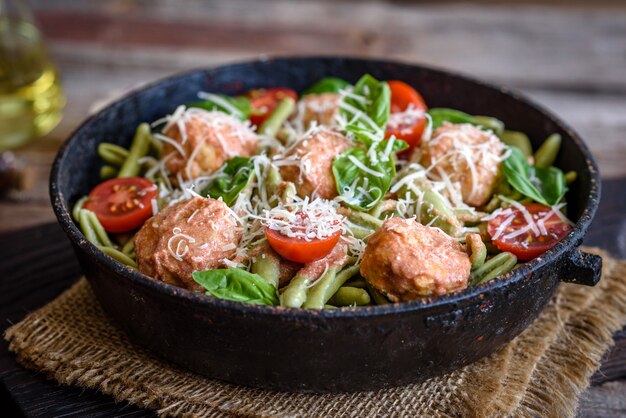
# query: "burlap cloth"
541, 373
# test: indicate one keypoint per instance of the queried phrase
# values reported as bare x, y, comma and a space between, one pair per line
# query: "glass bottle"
31, 99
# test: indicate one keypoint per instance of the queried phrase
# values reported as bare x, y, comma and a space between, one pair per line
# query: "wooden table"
568, 56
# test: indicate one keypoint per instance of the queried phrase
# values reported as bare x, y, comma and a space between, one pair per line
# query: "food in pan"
344, 195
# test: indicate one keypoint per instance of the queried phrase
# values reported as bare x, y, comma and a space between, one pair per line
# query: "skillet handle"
581, 268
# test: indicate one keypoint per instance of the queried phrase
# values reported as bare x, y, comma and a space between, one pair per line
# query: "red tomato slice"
525, 244
408, 128
263, 101
299, 249
122, 204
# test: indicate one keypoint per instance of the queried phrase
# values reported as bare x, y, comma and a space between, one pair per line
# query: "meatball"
337, 257
315, 154
320, 108
207, 140
450, 151
406, 260
192, 235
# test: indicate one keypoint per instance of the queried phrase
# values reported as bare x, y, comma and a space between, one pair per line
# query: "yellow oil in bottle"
31, 99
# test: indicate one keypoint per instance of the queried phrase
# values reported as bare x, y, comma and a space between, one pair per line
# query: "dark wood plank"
608, 232
9, 408
531, 46
609, 225
134, 30
614, 362
34, 396
37, 265
606, 401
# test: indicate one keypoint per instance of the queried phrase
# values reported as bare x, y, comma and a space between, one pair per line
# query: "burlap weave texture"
540, 373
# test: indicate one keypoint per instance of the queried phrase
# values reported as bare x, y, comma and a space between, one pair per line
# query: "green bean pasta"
345, 196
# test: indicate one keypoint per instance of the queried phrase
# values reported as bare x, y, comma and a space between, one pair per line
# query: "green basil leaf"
375, 105
439, 115
363, 135
238, 107
543, 185
517, 172
236, 174
368, 138
361, 183
553, 184
237, 285
398, 145
327, 85
362, 189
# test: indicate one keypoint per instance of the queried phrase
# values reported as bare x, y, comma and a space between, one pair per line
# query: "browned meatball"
406, 260
208, 139
192, 235
337, 257
314, 173
450, 148
319, 108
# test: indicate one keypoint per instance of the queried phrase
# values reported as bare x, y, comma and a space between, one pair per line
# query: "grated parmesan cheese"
364, 168
220, 102
231, 264
182, 246
305, 219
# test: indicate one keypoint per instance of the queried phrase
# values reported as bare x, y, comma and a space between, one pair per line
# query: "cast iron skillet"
330, 350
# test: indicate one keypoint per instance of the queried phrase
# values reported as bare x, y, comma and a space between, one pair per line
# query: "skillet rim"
188, 298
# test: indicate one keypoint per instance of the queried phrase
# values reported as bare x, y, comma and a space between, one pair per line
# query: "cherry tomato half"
526, 245
122, 204
406, 127
299, 249
263, 101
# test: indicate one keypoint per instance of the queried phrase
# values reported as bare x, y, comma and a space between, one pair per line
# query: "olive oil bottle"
31, 99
